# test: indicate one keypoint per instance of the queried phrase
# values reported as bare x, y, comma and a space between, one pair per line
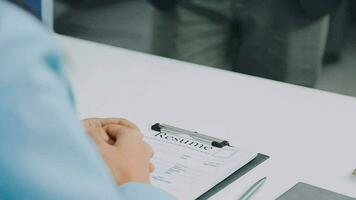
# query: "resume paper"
188, 168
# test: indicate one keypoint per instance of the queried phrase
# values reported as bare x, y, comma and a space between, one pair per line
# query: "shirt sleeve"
44, 152
142, 191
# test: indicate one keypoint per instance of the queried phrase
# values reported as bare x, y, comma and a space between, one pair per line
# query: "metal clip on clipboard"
215, 142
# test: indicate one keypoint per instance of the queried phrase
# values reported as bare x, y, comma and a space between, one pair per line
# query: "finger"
98, 135
94, 129
152, 167
149, 150
116, 131
118, 121
91, 123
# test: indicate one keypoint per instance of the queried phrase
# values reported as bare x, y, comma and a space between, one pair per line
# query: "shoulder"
29, 58
15, 22
26, 46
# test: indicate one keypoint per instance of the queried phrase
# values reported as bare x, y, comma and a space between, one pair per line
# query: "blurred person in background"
45, 151
278, 39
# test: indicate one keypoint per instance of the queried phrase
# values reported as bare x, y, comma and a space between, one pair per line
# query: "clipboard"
236, 175
218, 143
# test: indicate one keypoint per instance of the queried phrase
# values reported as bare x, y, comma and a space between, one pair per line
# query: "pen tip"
354, 172
263, 179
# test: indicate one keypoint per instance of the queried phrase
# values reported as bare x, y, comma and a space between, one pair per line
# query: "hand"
121, 145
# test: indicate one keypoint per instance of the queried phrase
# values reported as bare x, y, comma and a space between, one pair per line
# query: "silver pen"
253, 189
216, 142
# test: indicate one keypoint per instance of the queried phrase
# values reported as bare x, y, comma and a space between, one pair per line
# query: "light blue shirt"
44, 152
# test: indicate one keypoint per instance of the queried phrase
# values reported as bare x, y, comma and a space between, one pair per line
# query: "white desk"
309, 134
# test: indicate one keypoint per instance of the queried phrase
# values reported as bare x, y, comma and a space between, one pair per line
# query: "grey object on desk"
303, 191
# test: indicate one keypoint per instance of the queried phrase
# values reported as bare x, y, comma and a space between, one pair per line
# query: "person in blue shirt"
45, 153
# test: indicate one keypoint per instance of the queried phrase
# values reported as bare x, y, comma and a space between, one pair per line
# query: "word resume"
188, 168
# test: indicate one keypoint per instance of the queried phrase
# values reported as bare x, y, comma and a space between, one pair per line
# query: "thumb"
115, 131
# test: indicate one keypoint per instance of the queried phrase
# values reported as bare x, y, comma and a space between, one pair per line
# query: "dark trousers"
276, 39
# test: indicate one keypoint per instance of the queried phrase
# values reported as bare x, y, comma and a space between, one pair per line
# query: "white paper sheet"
187, 168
